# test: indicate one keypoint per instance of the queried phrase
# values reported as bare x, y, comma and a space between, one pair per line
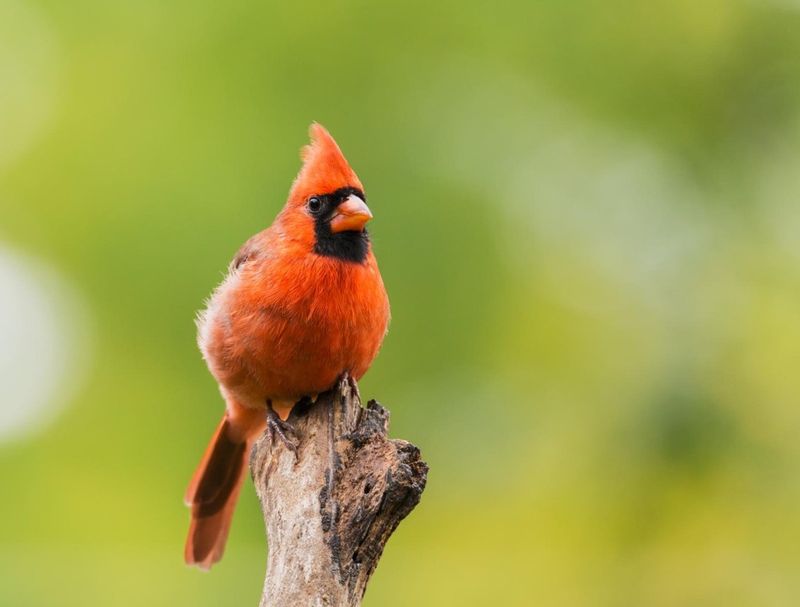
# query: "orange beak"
351, 216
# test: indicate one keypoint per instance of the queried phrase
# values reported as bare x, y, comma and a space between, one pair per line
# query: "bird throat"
346, 246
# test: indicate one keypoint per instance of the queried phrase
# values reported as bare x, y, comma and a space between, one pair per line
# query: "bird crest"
325, 169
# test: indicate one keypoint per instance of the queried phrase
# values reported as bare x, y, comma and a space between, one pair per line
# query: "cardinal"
302, 303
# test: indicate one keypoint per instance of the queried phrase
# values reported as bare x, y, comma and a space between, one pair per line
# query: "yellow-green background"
588, 221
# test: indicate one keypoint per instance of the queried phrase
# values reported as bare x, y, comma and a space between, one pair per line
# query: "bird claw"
279, 429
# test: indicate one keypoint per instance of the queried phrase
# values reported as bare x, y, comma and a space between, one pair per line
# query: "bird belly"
260, 350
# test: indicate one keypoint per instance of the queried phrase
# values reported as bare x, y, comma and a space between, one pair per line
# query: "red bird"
303, 302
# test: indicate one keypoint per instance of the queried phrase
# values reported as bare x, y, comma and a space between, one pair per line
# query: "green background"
587, 216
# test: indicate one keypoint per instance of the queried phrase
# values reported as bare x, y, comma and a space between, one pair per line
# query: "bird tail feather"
212, 495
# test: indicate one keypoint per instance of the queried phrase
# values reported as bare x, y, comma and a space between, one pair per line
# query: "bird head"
326, 206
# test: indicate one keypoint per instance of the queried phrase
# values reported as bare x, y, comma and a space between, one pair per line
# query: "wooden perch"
330, 509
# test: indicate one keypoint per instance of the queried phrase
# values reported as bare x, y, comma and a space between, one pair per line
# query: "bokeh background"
588, 220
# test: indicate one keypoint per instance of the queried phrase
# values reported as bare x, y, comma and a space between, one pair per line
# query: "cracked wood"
330, 508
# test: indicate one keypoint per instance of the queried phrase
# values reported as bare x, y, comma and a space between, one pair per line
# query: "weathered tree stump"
330, 508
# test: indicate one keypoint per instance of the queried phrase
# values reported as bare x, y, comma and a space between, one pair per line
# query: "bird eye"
314, 204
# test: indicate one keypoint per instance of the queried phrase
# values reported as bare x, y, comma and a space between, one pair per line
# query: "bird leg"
281, 429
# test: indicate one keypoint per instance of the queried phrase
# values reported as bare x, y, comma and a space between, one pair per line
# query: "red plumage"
303, 302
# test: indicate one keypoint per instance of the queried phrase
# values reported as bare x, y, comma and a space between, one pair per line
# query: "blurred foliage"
587, 218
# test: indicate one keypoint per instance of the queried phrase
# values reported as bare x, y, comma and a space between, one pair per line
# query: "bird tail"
213, 492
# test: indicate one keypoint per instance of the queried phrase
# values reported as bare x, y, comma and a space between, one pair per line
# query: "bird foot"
279, 429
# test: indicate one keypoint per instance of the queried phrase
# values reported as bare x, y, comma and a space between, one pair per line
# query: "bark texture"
330, 508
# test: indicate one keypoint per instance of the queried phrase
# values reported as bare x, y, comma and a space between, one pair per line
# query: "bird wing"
248, 251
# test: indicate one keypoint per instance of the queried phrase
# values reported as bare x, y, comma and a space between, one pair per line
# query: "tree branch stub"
331, 507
